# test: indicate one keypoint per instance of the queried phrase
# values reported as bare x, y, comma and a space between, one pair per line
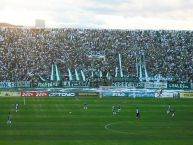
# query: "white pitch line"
117, 131
107, 127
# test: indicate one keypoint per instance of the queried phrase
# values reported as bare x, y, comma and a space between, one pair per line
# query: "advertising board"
28, 94
9, 94
164, 94
141, 94
88, 94
112, 94
186, 94
34, 94
61, 94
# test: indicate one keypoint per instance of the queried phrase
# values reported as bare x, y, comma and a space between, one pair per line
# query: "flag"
116, 71
42, 79
83, 76
70, 74
108, 76
77, 76
120, 66
52, 73
100, 74
58, 75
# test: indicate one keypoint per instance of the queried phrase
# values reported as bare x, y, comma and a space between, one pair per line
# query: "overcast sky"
114, 14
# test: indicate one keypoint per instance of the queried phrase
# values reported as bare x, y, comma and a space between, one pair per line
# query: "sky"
104, 14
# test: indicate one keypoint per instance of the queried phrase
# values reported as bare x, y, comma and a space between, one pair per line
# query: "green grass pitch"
47, 121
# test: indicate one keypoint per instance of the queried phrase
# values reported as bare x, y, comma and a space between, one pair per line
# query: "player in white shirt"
114, 110
118, 108
16, 107
85, 107
169, 109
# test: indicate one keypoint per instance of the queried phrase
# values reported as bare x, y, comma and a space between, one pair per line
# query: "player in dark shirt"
137, 113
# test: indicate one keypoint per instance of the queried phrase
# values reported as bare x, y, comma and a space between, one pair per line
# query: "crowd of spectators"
26, 54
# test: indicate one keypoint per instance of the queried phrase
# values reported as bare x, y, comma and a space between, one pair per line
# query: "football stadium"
96, 85
85, 86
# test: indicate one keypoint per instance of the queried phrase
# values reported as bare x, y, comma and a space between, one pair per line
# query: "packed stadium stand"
27, 54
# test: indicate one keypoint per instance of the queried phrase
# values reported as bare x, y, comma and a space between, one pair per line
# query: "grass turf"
47, 121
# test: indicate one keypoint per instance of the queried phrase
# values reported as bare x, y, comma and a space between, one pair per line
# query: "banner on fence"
7, 84
146, 85
128, 84
155, 85
15, 84
76, 84
48, 84
23, 84
178, 86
